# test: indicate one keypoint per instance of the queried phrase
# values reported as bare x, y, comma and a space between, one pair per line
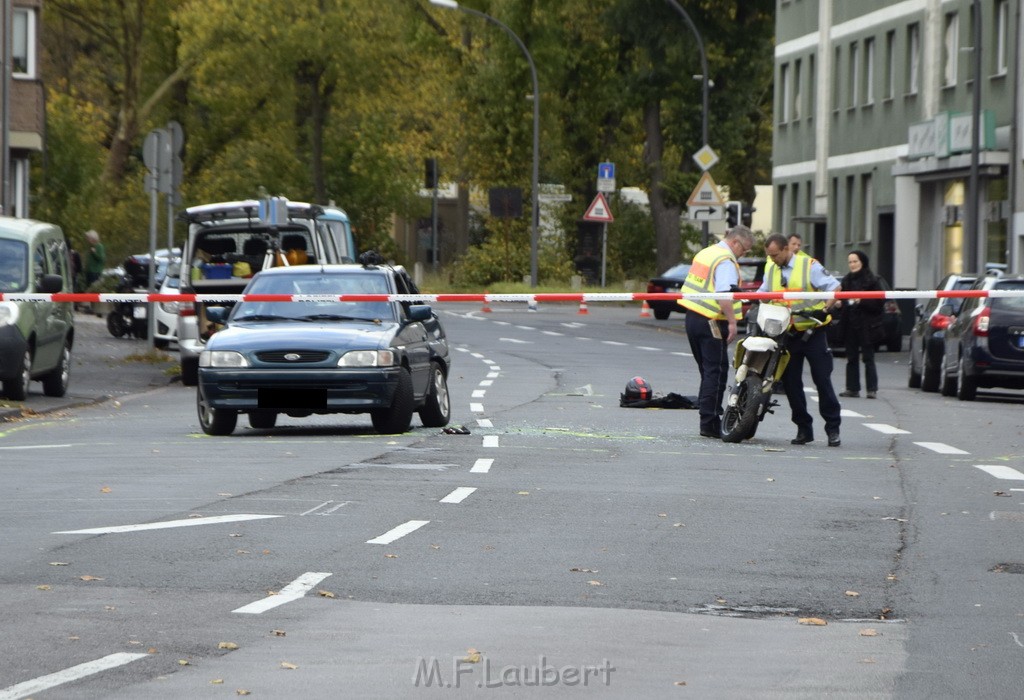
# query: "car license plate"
310, 399
139, 311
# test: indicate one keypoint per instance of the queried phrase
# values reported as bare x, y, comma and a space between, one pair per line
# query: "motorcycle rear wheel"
740, 421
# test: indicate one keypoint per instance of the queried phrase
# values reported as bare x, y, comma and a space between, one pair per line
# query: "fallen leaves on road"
581, 570
289, 666
522, 493
87, 577
230, 646
325, 594
852, 594
242, 691
217, 681
278, 633
183, 662
868, 632
391, 556
472, 656
106, 489
59, 563
812, 621
43, 587
595, 583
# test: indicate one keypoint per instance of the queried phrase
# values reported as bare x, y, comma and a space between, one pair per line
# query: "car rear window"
678, 271
1014, 303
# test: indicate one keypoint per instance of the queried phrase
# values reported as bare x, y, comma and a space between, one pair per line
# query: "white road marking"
683, 354
582, 338
52, 680
887, 429
527, 328
942, 448
612, 342
293, 591
490, 441
189, 522
494, 367
502, 323
482, 466
574, 325
644, 347
492, 375
847, 413
1000, 471
476, 408
478, 393
477, 355
516, 340
552, 333
488, 362
397, 532
484, 423
325, 503
458, 495
486, 382
34, 447
585, 390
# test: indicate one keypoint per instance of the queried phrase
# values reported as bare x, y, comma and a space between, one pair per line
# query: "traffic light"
733, 213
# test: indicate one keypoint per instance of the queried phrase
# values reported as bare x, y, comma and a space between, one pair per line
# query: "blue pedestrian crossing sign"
606, 177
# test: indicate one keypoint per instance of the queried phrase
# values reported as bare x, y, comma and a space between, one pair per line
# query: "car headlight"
367, 358
8, 313
222, 358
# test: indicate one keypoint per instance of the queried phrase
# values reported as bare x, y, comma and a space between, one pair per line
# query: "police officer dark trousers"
711, 354
816, 351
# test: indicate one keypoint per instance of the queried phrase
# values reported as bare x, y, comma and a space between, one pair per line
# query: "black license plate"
311, 399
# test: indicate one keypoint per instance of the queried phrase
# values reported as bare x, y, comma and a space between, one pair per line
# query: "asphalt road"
566, 542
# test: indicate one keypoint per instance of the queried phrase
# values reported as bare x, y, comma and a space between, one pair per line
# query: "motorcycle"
129, 317
760, 360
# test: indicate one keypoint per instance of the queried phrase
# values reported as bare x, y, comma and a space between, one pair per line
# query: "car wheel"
914, 379
661, 313
56, 382
929, 375
262, 420
190, 371
948, 387
437, 408
160, 344
396, 418
215, 421
16, 387
967, 386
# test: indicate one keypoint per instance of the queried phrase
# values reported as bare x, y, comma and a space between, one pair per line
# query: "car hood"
334, 335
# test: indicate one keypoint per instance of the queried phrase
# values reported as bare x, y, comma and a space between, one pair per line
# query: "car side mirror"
217, 314
420, 312
50, 284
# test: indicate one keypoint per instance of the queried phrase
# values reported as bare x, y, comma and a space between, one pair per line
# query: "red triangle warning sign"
598, 210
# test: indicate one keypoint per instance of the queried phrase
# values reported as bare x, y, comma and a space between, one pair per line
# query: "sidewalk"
100, 370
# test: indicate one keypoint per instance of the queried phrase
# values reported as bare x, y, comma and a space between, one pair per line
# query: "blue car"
985, 342
386, 358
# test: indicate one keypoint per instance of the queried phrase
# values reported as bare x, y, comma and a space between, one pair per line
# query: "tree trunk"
665, 216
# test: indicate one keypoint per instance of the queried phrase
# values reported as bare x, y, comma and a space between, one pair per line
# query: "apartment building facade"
22, 103
873, 145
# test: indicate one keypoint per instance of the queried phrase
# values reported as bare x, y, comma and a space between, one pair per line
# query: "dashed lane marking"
458, 495
490, 441
478, 393
942, 448
484, 423
1000, 471
482, 466
886, 429
847, 413
52, 680
190, 522
293, 591
398, 532
476, 408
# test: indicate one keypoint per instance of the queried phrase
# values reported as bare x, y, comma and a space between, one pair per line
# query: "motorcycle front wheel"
116, 324
740, 420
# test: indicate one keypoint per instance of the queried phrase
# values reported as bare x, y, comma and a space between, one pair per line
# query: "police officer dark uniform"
711, 324
787, 271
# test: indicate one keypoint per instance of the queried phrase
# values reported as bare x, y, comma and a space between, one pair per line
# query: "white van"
229, 242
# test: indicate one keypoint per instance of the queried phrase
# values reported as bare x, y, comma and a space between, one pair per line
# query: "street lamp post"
534, 199
704, 93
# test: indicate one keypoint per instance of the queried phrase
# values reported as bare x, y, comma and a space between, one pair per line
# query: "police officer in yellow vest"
711, 324
786, 270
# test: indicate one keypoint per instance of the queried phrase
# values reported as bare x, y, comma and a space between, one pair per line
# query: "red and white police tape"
528, 298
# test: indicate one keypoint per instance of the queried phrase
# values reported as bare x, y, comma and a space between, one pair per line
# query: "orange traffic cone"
487, 308
645, 310
583, 307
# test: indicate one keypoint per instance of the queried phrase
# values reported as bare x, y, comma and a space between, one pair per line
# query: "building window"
889, 89
913, 58
1002, 30
797, 82
783, 214
848, 215
786, 94
19, 187
867, 205
869, 71
950, 49
854, 86
812, 82
836, 82
23, 44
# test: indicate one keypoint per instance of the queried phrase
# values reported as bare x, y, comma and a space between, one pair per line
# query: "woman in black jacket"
859, 318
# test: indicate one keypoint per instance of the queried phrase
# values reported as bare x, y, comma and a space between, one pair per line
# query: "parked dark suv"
928, 336
985, 343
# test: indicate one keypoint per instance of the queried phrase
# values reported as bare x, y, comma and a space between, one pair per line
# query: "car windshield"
13, 265
326, 309
679, 271
1015, 303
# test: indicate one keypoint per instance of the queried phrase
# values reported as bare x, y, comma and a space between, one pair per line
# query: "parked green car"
36, 337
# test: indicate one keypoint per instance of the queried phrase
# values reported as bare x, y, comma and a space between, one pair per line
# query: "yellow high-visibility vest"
799, 281
701, 278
